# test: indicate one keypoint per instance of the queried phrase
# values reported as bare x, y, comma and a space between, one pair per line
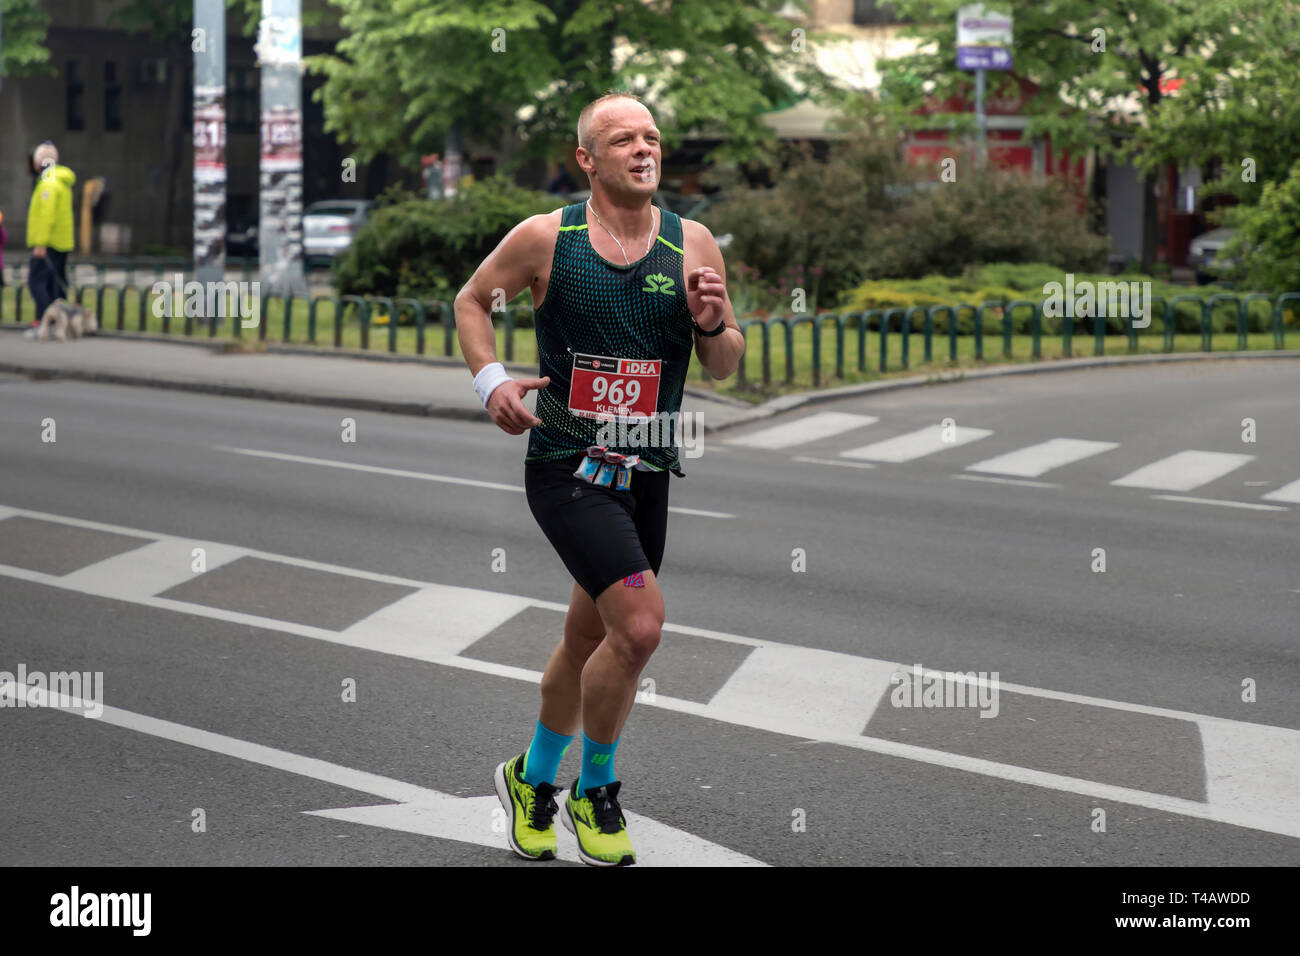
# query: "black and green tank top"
598, 308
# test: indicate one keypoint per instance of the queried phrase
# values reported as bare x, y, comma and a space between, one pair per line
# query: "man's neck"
630, 221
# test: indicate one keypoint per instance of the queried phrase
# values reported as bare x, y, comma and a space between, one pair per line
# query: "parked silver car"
1203, 251
329, 226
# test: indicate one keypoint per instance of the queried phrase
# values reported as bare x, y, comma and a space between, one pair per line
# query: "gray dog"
66, 317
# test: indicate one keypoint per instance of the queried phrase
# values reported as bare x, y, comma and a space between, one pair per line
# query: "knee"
636, 639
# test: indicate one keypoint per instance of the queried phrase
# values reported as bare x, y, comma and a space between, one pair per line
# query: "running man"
614, 278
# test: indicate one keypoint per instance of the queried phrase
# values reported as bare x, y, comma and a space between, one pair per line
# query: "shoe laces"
541, 806
605, 808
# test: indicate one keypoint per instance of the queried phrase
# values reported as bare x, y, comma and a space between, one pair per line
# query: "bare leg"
633, 620
562, 682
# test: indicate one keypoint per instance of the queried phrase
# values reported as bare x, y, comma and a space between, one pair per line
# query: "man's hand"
507, 408
38, 252
705, 297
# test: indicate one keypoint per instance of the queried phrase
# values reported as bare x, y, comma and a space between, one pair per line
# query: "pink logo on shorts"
634, 580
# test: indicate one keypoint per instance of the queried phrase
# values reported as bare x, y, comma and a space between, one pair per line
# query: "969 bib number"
608, 387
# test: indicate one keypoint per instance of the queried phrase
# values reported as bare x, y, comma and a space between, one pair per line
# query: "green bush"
813, 228
1267, 238
861, 213
419, 248
997, 216
1003, 282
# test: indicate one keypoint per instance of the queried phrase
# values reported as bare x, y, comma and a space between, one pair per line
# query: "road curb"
420, 409
767, 409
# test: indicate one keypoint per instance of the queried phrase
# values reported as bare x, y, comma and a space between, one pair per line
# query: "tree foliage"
1102, 68
409, 71
25, 52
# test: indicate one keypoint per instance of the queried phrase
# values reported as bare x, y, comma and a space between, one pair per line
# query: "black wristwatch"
722, 326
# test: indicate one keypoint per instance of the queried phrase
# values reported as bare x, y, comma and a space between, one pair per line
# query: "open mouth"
645, 172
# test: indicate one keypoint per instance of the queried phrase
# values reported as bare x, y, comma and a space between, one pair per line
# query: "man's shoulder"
547, 221
691, 229
701, 247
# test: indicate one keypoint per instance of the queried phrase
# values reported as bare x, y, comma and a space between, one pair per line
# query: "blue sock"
597, 765
542, 759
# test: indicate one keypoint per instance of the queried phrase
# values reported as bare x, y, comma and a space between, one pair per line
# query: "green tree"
1100, 70
1245, 120
25, 52
411, 73
1267, 237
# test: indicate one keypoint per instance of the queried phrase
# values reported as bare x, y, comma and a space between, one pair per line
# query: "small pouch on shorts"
609, 469
590, 464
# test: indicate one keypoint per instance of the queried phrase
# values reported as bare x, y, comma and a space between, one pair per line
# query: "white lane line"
832, 461
810, 428
1037, 460
417, 809
1219, 501
917, 444
700, 512
427, 650
371, 469
992, 479
1250, 817
817, 666
419, 475
1183, 471
1289, 493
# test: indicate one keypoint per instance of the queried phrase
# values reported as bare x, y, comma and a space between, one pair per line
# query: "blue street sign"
983, 58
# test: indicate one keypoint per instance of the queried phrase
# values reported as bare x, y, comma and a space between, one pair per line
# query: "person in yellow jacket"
49, 228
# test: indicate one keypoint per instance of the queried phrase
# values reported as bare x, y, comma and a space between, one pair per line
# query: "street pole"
210, 140
981, 143
280, 213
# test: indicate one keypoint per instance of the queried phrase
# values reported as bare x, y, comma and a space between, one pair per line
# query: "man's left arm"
706, 297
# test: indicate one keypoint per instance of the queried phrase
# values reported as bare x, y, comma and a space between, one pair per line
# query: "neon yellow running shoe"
597, 821
530, 811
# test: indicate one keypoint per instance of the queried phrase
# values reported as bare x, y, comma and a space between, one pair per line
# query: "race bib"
614, 388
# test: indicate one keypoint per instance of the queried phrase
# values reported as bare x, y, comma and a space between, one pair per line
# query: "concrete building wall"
1124, 211
84, 40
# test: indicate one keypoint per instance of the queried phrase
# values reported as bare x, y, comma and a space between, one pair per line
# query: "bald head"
597, 115
45, 155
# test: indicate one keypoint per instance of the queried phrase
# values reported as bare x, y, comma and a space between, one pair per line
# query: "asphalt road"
771, 731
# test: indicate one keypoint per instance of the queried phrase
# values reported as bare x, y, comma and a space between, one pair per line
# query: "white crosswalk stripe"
1039, 459
1184, 471
917, 444
1289, 493
803, 430
1180, 472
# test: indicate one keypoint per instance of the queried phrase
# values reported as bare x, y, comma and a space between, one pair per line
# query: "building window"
872, 13
75, 98
112, 98
242, 106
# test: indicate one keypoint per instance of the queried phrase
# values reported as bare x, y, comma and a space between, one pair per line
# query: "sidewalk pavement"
420, 385
371, 381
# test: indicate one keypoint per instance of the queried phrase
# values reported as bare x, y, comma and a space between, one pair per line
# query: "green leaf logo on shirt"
658, 283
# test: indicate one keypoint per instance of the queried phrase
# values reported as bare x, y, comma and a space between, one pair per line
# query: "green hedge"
419, 248
1005, 282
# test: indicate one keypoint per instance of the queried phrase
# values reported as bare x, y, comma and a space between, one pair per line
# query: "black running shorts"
601, 535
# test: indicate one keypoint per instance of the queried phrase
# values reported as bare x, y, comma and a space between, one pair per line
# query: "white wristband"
487, 379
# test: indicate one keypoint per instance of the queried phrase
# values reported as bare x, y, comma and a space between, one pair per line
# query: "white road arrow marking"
469, 820
418, 810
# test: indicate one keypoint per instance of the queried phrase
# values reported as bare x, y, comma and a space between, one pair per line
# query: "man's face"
628, 154
45, 156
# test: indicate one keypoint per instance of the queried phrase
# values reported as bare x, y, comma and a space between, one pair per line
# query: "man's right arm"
506, 272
